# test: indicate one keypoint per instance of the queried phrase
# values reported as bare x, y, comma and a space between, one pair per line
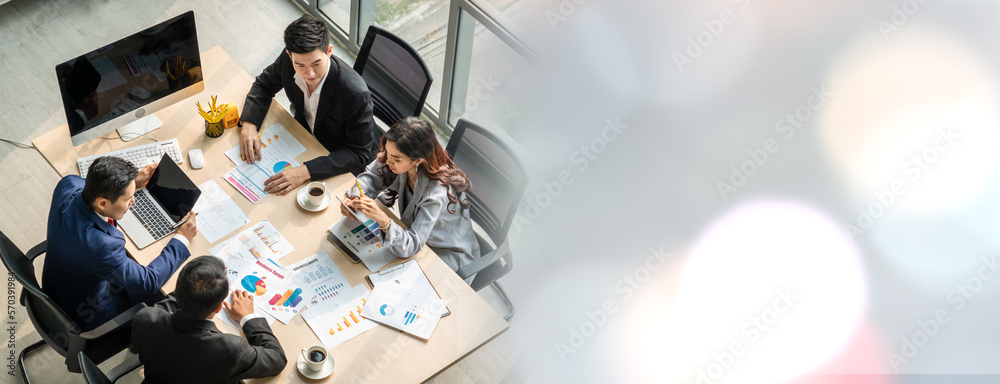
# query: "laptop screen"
173, 189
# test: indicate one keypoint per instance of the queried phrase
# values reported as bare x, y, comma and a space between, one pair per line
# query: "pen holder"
214, 129
218, 117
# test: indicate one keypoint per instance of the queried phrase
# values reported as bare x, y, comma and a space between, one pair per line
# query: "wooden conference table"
382, 354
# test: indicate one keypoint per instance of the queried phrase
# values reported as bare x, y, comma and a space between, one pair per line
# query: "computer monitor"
121, 84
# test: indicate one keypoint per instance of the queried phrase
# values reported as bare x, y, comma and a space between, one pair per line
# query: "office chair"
56, 328
498, 182
397, 77
93, 375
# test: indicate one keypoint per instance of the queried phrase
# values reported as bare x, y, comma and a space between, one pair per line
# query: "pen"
359, 187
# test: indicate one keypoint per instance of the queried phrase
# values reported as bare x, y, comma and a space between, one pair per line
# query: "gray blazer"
449, 235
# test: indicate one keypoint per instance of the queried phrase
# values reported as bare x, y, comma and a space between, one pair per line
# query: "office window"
339, 11
499, 81
511, 7
424, 25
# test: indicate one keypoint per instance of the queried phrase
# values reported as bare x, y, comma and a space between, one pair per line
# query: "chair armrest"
124, 319
124, 368
35, 251
484, 261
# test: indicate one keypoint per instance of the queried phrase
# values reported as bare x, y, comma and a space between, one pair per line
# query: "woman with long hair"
412, 168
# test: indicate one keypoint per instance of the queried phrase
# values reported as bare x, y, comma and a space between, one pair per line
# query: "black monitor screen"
173, 189
130, 73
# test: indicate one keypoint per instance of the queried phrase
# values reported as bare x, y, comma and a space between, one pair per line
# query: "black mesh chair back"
49, 320
58, 331
397, 77
498, 182
498, 178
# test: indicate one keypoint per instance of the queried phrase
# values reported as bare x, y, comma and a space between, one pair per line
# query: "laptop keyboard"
150, 217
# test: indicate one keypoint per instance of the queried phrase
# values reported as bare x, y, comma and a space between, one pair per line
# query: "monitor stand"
136, 129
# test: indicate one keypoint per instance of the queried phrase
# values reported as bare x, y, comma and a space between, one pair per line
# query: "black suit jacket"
344, 122
175, 348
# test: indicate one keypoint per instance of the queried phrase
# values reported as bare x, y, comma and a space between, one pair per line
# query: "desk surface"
382, 354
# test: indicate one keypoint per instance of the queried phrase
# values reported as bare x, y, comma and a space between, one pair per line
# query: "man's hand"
242, 305
249, 143
143, 178
285, 181
189, 228
368, 207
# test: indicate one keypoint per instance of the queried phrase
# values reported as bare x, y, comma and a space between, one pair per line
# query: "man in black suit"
328, 98
178, 343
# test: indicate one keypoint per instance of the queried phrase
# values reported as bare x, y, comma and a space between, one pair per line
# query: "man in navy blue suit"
87, 272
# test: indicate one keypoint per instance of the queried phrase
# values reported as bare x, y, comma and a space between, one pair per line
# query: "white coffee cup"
316, 198
316, 357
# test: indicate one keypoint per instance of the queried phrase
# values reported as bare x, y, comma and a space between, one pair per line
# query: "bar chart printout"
274, 289
337, 325
260, 241
240, 274
322, 282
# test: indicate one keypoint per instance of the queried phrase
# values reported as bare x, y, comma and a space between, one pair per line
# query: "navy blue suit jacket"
87, 272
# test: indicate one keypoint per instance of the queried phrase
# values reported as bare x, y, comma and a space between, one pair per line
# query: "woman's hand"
345, 208
369, 208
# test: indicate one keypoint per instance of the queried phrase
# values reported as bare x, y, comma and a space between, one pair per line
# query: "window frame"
463, 16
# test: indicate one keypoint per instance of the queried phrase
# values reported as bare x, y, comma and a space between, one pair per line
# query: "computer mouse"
197, 158
140, 93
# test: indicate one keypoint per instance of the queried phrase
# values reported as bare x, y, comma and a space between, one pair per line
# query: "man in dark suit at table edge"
87, 271
328, 98
177, 341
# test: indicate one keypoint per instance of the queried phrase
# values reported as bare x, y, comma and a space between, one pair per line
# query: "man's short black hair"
201, 286
306, 34
108, 177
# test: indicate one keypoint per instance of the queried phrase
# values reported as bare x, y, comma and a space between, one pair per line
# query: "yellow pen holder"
214, 129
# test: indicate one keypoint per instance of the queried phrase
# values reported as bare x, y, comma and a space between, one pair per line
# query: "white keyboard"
141, 156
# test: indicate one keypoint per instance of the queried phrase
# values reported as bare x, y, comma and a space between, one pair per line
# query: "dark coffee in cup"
316, 356
316, 191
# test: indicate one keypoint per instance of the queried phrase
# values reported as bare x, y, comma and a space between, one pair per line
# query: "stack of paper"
250, 259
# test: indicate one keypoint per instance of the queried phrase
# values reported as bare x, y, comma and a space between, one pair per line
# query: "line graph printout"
218, 215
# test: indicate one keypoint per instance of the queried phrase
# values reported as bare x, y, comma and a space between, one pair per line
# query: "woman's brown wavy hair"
415, 138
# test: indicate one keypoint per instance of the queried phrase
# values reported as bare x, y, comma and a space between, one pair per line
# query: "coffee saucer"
303, 199
315, 375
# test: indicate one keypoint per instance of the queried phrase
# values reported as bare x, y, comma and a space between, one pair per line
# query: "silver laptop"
160, 207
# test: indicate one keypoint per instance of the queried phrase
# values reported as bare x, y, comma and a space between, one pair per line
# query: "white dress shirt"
311, 100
